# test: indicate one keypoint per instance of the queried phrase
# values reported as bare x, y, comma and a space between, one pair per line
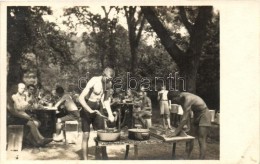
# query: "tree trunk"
188, 62
134, 37
15, 71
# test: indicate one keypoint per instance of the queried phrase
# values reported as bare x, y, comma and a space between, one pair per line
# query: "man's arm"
15, 112
186, 109
107, 104
84, 93
148, 105
60, 101
159, 96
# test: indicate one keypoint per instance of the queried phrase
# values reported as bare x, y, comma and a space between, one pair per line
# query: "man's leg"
163, 121
34, 131
162, 114
59, 125
37, 135
167, 118
202, 136
143, 114
84, 145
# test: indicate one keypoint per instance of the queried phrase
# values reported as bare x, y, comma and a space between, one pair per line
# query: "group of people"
21, 106
18, 106
96, 98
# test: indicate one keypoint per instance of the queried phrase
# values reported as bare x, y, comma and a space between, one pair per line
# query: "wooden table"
47, 117
125, 141
189, 145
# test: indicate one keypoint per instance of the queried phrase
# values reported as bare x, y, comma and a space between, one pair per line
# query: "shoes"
58, 138
45, 141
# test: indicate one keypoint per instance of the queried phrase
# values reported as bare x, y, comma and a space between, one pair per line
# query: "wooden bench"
14, 137
71, 131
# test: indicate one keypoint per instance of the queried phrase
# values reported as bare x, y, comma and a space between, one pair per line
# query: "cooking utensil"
105, 117
109, 134
139, 134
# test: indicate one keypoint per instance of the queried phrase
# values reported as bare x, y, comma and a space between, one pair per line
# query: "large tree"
134, 34
33, 43
196, 25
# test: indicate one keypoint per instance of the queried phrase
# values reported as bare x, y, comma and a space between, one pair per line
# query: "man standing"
202, 117
164, 106
96, 93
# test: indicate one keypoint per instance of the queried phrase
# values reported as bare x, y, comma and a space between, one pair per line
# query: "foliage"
62, 57
35, 44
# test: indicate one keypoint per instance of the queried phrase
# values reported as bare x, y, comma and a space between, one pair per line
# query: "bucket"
212, 112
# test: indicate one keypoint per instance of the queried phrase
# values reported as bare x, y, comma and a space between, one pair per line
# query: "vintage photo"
113, 82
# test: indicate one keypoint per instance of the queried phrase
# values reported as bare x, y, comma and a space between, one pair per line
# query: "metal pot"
139, 134
108, 135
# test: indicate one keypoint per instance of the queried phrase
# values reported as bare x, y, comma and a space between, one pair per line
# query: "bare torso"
195, 102
97, 90
69, 103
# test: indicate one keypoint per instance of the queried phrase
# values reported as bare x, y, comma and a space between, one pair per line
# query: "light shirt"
164, 94
20, 102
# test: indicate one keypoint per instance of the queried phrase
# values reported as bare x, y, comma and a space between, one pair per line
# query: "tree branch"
140, 30
126, 12
185, 20
163, 34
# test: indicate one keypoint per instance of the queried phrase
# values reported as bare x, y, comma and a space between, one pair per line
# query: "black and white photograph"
114, 82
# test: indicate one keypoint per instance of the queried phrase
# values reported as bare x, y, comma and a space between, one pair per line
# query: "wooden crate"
71, 131
15, 137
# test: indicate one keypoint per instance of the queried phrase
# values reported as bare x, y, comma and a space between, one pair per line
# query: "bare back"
196, 104
69, 103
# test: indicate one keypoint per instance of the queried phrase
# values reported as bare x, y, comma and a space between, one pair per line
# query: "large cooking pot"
108, 135
139, 134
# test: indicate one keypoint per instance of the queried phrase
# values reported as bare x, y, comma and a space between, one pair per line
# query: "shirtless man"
96, 92
142, 107
202, 117
18, 112
71, 108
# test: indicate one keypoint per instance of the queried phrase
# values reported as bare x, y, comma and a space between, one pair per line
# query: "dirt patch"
61, 151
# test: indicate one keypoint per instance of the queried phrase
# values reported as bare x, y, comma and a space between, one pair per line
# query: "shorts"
91, 118
202, 119
13, 120
164, 108
72, 115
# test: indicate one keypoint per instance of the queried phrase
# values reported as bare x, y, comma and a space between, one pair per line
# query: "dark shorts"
72, 115
13, 120
202, 119
91, 118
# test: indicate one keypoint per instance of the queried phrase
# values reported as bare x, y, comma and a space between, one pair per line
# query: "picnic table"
47, 117
124, 140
